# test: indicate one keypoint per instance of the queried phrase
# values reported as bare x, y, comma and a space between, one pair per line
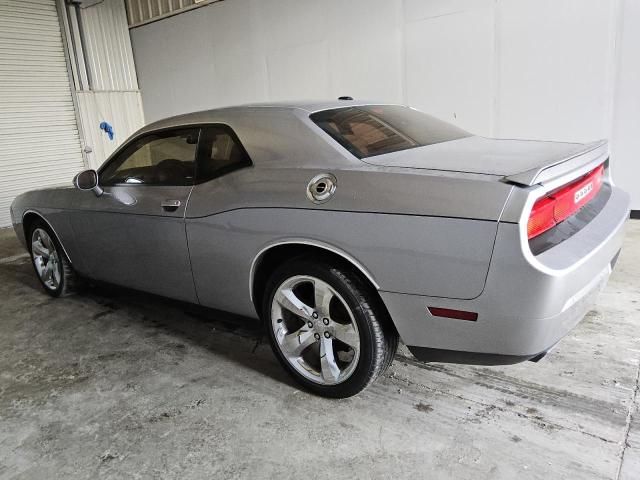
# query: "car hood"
520, 159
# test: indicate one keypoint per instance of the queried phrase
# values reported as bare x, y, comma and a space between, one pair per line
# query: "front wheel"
327, 327
50, 261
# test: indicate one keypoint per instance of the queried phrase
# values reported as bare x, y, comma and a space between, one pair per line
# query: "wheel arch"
274, 254
28, 218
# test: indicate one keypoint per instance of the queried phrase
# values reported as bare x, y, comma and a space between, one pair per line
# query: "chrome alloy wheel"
315, 330
46, 259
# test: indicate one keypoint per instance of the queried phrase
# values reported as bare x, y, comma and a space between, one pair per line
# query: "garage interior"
116, 383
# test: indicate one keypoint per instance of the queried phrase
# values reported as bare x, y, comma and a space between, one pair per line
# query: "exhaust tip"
538, 357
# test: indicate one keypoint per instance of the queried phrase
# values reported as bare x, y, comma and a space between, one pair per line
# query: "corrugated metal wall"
112, 93
39, 141
107, 47
145, 11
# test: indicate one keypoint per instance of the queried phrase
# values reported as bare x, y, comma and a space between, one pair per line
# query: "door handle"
170, 205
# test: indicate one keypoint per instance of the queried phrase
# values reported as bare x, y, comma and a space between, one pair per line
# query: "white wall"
625, 132
545, 69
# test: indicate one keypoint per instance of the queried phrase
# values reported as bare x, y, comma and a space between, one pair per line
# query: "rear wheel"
327, 328
50, 262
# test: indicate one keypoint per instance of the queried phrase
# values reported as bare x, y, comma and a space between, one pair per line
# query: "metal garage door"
39, 143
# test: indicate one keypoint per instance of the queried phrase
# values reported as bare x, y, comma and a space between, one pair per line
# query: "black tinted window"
164, 158
377, 129
221, 153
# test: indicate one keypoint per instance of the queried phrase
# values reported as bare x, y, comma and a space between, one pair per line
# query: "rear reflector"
560, 204
450, 313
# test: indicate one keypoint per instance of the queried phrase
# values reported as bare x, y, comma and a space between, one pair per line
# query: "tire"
63, 279
320, 316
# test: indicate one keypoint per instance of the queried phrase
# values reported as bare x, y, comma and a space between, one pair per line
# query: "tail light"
560, 204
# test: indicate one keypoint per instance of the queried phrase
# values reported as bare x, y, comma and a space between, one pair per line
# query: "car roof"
218, 114
311, 106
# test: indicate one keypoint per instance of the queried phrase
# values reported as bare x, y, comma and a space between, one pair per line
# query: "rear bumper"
528, 304
426, 354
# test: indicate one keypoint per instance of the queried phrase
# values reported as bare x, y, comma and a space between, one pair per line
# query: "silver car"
345, 227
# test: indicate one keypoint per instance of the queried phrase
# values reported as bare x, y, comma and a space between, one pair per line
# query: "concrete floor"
118, 384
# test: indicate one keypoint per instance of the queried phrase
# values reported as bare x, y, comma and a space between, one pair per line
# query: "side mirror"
88, 180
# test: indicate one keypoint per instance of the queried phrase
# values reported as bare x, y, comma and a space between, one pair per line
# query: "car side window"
161, 158
221, 153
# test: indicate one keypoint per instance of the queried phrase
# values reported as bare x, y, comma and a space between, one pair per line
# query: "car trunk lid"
522, 162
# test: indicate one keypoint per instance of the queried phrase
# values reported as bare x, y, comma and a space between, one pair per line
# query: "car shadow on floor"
239, 339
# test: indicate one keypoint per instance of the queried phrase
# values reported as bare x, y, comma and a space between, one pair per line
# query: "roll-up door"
39, 141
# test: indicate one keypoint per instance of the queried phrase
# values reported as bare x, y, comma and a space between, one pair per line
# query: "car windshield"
369, 130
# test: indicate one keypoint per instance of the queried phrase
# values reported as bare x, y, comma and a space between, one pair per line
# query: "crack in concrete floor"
633, 407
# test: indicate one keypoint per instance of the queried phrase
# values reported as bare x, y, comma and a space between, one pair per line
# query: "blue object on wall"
108, 129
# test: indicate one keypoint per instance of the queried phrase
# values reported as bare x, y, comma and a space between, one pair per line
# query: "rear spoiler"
585, 160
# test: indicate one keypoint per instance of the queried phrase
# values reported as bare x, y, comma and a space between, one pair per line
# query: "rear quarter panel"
408, 232
402, 253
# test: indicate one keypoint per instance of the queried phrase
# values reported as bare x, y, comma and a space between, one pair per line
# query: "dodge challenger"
344, 226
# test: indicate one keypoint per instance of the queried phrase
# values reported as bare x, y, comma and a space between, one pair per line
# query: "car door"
134, 233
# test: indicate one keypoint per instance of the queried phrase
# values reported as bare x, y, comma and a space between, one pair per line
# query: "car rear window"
371, 130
